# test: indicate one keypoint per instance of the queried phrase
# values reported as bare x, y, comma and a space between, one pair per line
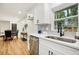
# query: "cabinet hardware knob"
49, 52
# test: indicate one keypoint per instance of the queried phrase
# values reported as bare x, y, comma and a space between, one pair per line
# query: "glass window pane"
65, 13
68, 24
70, 11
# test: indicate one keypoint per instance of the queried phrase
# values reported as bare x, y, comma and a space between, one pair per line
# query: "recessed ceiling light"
19, 12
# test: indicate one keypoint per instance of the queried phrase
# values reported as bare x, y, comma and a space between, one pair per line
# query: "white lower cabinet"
46, 50
43, 50
47, 47
54, 52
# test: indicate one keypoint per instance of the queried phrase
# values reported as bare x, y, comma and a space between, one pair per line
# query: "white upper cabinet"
39, 13
42, 14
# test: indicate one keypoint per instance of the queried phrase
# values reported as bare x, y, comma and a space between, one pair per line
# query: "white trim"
68, 17
62, 6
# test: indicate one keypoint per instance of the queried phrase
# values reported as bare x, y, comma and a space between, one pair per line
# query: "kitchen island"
64, 48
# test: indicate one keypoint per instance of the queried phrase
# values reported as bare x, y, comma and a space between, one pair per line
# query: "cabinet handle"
49, 52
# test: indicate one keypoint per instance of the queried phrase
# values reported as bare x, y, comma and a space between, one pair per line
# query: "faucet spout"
61, 31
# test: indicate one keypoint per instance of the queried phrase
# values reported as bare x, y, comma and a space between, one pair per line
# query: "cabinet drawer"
58, 47
55, 52
45, 50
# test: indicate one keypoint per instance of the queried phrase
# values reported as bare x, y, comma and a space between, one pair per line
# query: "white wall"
49, 14
43, 12
6, 22
30, 27
11, 19
20, 25
4, 25
39, 12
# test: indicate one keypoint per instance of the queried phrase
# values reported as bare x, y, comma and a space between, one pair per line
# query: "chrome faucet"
60, 29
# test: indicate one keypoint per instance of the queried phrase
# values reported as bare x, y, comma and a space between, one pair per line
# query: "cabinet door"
54, 52
60, 49
43, 50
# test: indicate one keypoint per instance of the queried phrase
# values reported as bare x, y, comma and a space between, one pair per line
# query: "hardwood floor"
14, 47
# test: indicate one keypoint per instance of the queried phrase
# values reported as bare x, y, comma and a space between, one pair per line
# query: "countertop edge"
71, 45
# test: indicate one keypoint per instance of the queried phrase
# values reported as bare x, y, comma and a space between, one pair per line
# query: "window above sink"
67, 12
68, 17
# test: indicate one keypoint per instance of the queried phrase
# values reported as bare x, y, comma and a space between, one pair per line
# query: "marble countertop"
43, 36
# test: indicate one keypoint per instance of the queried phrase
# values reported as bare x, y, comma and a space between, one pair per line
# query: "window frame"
66, 17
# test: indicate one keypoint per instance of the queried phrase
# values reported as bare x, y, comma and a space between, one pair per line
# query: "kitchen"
47, 28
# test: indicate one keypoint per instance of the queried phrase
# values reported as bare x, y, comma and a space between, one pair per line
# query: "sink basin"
52, 37
62, 39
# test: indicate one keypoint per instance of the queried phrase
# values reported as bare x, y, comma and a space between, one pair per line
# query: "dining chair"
8, 35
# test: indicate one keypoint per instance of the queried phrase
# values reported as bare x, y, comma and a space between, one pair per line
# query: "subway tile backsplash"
67, 34
47, 28
44, 27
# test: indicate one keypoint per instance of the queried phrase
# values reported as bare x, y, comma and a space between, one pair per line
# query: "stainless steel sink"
52, 37
62, 39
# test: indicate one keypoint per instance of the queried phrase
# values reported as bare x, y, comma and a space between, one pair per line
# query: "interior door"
14, 27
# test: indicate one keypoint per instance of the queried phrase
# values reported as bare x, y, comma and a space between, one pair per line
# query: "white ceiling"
12, 9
